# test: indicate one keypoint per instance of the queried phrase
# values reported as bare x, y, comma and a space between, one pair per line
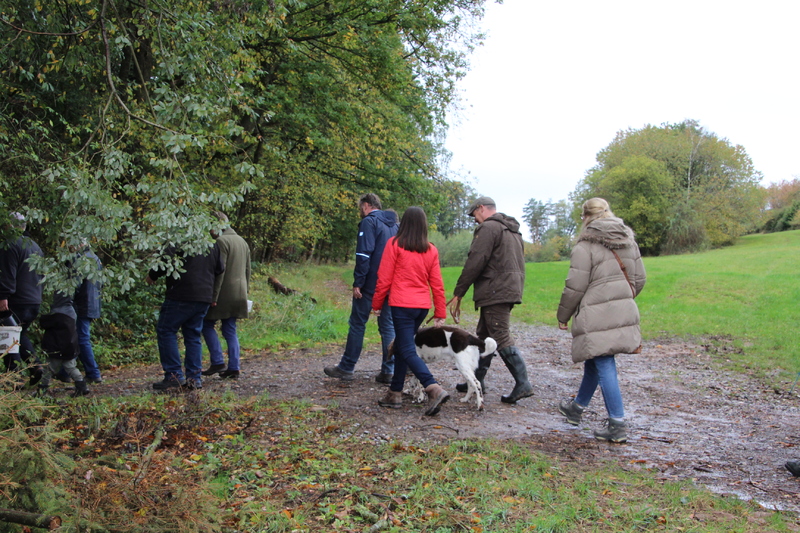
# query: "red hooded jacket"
408, 277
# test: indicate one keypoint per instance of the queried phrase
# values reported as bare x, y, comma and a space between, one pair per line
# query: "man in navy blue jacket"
186, 303
86, 302
374, 230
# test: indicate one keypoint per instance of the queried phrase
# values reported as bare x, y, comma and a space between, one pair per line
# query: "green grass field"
746, 294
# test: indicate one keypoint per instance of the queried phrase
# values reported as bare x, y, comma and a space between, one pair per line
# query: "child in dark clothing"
60, 344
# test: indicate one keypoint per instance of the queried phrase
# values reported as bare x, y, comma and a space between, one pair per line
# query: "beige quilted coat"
597, 297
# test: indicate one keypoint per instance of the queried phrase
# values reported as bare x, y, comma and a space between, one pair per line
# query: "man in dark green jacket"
496, 268
230, 297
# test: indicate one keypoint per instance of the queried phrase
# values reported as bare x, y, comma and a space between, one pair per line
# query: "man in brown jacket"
496, 267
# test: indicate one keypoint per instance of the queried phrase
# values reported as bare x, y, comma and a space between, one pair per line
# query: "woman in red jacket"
408, 273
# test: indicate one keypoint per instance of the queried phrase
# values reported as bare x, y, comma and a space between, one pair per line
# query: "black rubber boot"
80, 389
793, 467
483, 366
516, 365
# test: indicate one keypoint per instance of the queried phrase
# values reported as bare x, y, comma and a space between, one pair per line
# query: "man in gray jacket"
496, 267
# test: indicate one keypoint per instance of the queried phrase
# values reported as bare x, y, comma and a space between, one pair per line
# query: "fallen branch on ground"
30, 519
280, 288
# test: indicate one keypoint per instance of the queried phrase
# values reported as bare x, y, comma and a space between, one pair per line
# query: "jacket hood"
63, 304
610, 232
509, 222
389, 218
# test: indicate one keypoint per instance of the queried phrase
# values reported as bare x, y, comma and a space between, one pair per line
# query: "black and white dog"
446, 343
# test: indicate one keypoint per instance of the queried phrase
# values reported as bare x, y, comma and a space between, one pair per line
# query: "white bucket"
249, 306
9, 339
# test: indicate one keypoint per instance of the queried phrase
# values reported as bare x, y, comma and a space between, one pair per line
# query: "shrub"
783, 219
453, 250
685, 231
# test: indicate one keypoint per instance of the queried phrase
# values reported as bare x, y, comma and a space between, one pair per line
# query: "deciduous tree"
126, 123
656, 176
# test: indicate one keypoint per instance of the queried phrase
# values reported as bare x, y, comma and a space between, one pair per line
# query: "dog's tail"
491, 346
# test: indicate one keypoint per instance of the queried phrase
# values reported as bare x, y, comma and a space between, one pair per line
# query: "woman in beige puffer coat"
599, 297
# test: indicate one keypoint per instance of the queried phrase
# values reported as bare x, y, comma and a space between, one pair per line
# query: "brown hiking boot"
436, 397
392, 400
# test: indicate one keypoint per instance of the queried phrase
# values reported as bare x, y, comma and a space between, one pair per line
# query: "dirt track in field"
687, 420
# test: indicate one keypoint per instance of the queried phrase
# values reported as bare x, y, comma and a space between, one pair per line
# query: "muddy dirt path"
725, 431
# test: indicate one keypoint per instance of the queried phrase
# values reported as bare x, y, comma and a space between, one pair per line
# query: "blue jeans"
231, 339
86, 354
601, 371
359, 315
187, 317
406, 324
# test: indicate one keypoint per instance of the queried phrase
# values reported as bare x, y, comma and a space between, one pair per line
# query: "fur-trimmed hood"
610, 232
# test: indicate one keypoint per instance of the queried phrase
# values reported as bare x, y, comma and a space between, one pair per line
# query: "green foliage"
536, 215
552, 228
451, 218
126, 123
32, 469
453, 249
639, 191
686, 232
654, 175
556, 248
783, 219
127, 326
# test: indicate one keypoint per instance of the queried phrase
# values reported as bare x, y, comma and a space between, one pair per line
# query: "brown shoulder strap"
624, 271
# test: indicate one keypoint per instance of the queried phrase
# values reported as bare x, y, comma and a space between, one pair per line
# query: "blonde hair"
595, 208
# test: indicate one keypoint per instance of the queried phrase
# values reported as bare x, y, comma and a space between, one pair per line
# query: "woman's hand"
563, 325
376, 312
438, 322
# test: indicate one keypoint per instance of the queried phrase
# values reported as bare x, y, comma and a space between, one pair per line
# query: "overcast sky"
555, 81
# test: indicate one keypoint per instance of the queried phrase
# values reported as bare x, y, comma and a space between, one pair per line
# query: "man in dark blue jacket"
374, 230
87, 306
21, 292
186, 303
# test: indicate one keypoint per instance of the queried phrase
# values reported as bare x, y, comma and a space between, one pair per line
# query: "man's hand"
454, 306
3, 305
563, 325
357, 293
